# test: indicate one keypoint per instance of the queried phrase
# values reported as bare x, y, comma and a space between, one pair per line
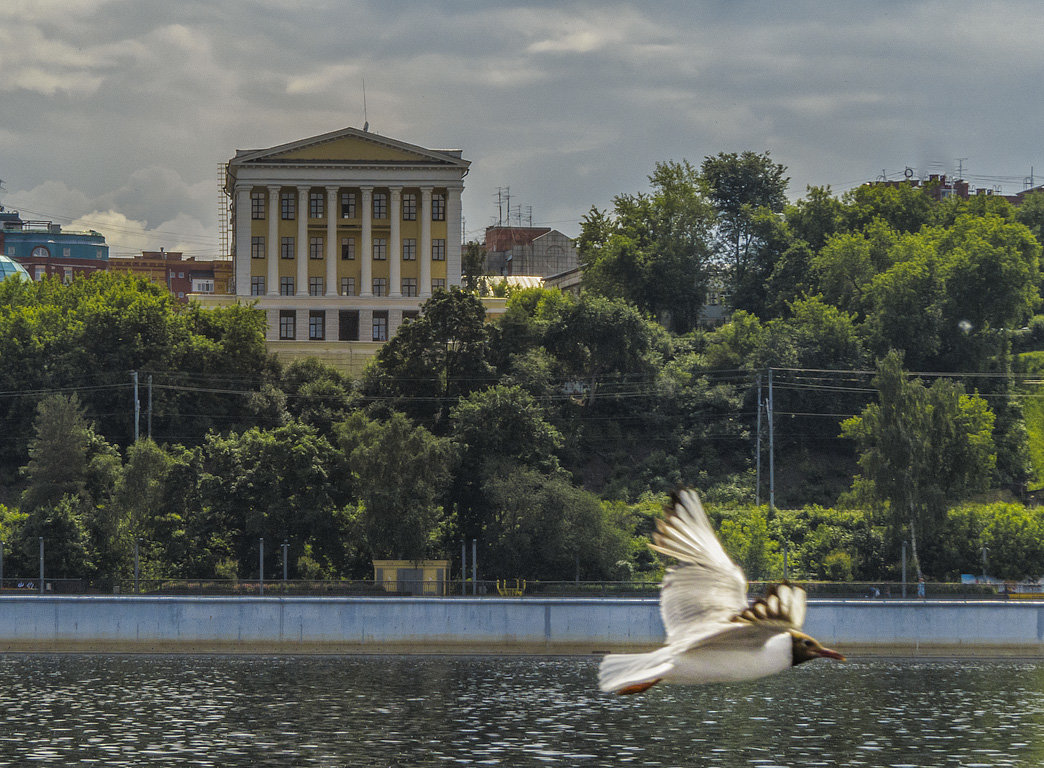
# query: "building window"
202, 285
347, 205
315, 286
347, 286
438, 207
316, 205
257, 285
380, 249
347, 248
409, 207
438, 284
409, 249
438, 249
410, 314
257, 247
67, 252
257, 205
380, 205
317, 325
287, 324
286, 248
409, 286
286, 285
288, 205
380, 326
380, 286
315, 248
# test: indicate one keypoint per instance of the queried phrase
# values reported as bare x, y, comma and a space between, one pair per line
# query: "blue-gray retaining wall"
470, 625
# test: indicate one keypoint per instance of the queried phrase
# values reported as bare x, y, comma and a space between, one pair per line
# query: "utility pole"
772, 448
757, 453
463, 567
286, 547
137, 405
41, 566
474, 566
150, 406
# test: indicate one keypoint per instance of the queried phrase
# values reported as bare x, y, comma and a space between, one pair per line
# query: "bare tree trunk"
913, 546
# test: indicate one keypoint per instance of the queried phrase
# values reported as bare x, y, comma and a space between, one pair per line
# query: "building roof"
346, 148
10, 267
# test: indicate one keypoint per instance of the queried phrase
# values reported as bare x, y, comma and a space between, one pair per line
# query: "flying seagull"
713, 635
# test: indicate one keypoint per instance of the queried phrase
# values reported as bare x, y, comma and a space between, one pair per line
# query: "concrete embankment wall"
478, 625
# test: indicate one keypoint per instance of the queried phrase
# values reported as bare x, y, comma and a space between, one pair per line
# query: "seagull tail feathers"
625, 673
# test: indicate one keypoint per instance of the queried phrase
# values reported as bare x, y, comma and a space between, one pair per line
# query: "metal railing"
484, 588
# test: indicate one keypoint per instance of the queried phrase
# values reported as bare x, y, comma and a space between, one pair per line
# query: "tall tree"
922, 448
741, 187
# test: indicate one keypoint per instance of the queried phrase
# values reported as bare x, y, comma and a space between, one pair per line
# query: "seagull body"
713, 635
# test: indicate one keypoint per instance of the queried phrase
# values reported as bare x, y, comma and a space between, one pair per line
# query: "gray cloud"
125, 107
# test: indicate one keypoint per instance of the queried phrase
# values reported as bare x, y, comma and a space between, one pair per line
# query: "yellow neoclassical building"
339, 237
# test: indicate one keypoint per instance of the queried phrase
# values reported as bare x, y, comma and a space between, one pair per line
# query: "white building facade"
339, 237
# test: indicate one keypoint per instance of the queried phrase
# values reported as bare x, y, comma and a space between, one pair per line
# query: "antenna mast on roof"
366, 123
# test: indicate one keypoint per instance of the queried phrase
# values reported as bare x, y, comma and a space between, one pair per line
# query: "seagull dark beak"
826, 653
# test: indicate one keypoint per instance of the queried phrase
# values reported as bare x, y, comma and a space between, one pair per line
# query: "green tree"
317, 394
472, 266
922, 448
542, 527
273, 484
399, 473
499, 430
1031, 214
816, 217
743, 188
434, 360
652, 250
902, 207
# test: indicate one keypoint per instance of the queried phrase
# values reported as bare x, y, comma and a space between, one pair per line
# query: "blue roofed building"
44, 249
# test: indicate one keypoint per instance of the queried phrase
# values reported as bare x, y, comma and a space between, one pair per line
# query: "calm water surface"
439, 711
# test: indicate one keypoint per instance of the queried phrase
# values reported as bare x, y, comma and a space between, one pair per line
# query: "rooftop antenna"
366, 123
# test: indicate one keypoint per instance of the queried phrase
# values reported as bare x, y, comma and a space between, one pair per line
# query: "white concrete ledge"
478, 625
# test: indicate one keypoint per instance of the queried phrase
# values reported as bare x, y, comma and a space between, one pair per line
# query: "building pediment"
349, 147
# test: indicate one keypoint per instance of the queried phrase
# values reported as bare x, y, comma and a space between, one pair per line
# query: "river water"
514, 711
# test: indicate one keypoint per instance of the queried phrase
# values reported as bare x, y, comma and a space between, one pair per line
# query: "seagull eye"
808, 643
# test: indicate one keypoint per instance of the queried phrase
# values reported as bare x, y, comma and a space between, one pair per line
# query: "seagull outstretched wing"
706, 594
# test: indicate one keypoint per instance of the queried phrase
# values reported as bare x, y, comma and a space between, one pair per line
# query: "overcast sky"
114, 114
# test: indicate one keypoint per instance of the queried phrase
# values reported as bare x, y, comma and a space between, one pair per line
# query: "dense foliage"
552, 433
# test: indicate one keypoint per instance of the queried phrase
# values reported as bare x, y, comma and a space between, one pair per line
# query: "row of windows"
317, 286
348, 322
317, 206
316, 248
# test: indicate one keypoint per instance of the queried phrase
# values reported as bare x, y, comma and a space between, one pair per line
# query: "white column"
395, 246
366, 244
424, 212
331, 240
453, 235
242, 262
302, 242
272, 244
